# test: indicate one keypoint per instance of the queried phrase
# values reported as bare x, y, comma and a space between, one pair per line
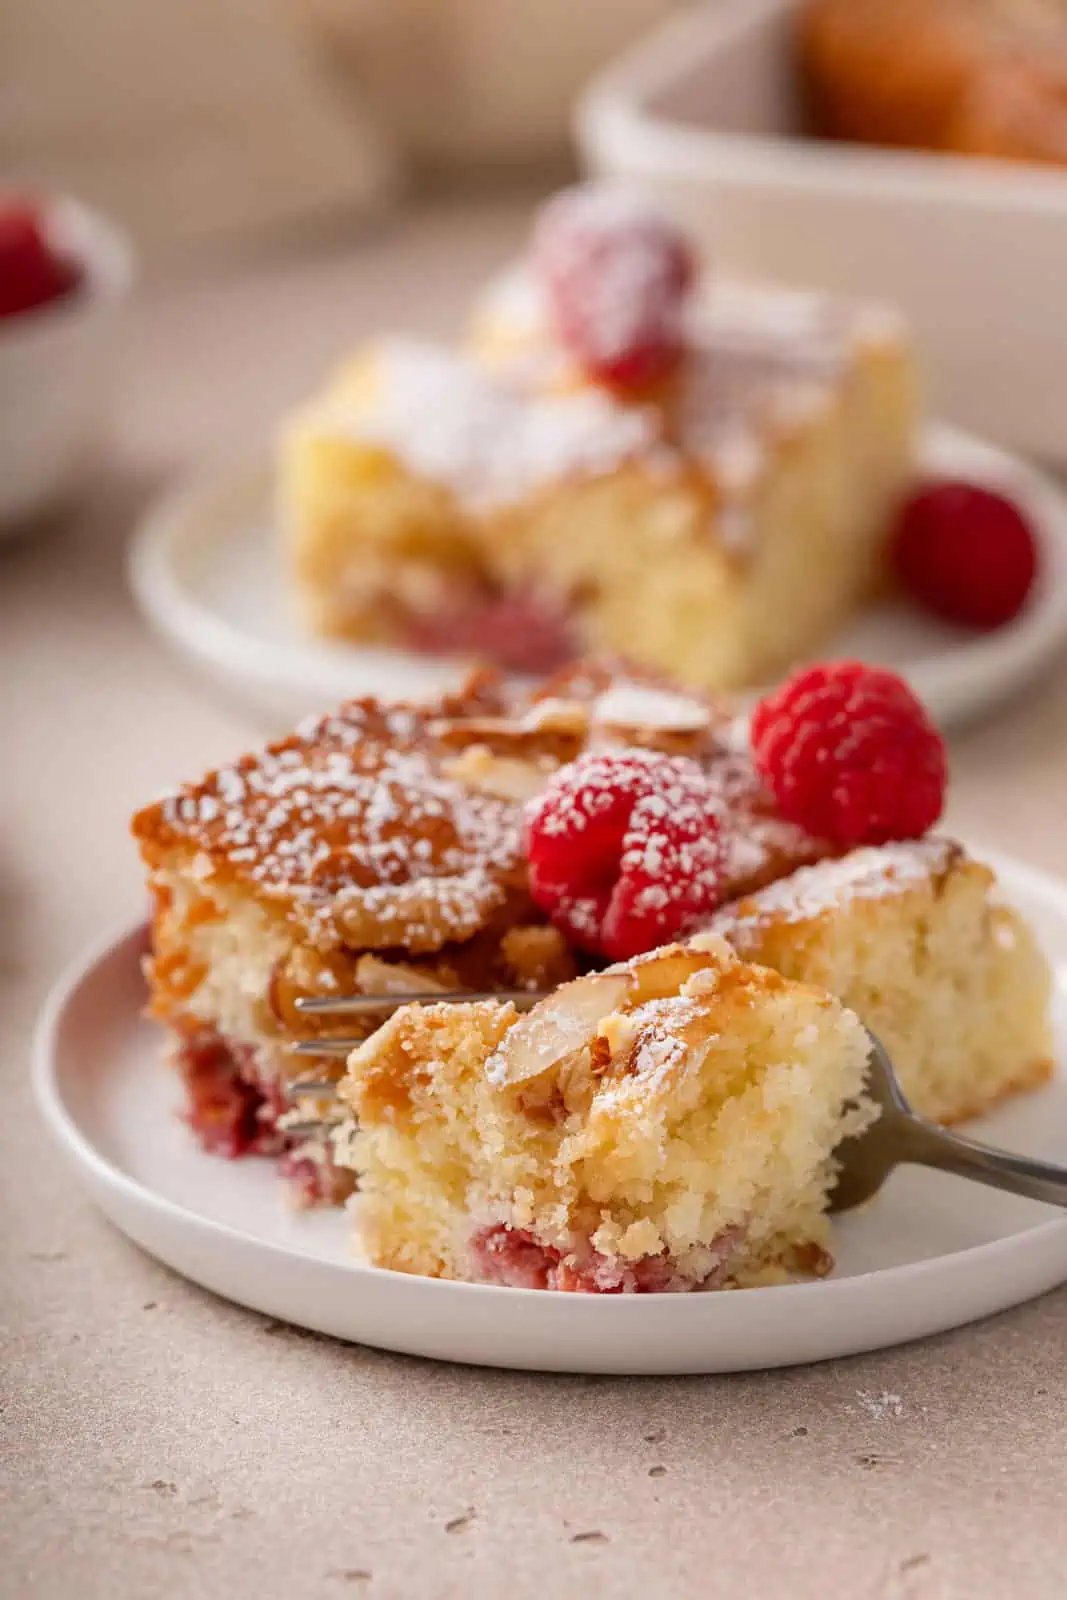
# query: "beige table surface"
158, 1441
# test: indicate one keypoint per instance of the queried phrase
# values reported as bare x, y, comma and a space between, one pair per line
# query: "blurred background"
197, 120
259, 185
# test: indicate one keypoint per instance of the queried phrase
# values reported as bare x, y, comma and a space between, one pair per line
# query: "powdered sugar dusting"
490, 442
352, 818
635, 705
614, 270
759, 361
362, 826
759, 845
865, 874
660, 1050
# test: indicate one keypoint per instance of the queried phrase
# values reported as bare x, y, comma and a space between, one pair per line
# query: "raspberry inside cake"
663, 1125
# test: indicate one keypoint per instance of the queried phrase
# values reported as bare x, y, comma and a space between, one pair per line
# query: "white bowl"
707, 114
56, 367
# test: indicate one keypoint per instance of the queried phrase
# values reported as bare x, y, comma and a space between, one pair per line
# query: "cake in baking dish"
970, 77
664, 1125
713, 513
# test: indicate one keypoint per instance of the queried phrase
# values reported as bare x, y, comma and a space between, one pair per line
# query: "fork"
900, 1137
354, 1005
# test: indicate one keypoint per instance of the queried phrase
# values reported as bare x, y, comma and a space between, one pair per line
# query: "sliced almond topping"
662, 973
713, 944
635, 705
554, 715
560, 1025
374, 976
505, 776
618, 1032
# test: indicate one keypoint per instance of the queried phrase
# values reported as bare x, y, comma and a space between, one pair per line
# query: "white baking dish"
707, 114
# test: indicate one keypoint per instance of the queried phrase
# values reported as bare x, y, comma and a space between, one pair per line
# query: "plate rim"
263, 670
92, 1166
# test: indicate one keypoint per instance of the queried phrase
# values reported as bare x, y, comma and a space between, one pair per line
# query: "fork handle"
932, 1146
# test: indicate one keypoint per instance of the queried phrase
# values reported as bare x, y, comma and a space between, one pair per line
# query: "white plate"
207, 571
707, 113
932, 1252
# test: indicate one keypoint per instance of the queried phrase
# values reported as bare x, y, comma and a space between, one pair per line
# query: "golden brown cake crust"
628, 1134
353, 828
368, 830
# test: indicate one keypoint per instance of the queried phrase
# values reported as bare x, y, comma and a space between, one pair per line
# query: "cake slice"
757, 354
508, 838
379, 850
915, 939
343, 859
668, 1124
504, 502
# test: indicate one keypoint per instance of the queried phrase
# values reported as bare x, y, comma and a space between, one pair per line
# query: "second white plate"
931, 1252
207, 571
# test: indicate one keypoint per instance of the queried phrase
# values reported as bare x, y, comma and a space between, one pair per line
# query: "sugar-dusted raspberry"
671, 872
626, 850
849, 753
615, 274
968, 554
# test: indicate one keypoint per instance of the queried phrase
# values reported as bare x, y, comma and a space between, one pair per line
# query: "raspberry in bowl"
34, 272
65, 274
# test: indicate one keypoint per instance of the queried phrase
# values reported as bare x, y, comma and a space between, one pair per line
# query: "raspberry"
615, 275
626, 850
849, 754
31, 274
966, 553
522, 631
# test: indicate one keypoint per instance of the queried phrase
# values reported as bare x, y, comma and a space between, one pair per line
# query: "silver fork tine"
323, 1047
355, 1004
358, 1004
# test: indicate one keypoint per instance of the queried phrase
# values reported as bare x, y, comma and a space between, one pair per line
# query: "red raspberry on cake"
849, 753
966, 553
626, 850
615, 275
